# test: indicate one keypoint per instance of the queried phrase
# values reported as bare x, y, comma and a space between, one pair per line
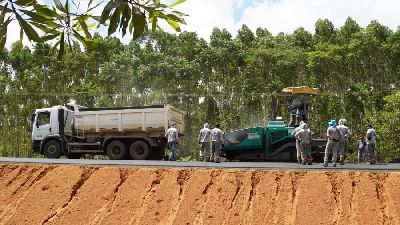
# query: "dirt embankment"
91, 195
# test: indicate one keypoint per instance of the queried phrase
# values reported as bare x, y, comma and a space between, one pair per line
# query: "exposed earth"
46, 194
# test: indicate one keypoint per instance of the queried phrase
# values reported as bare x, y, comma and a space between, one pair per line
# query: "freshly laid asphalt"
196, 164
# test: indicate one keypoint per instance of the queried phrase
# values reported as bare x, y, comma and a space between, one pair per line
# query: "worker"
172, 136
298, 112
308, 149
344, 139
371, 141
333, 135
217, 138
304, 138
298, 152
361, 149
205, 142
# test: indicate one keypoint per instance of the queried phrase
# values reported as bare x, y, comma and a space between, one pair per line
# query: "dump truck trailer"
121, 133
274, 142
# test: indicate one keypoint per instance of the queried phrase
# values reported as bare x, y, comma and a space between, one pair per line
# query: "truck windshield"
43, 118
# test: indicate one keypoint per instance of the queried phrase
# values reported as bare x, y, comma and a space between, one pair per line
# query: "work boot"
334, 164
309, 163
341, 162
303, 163
325, 164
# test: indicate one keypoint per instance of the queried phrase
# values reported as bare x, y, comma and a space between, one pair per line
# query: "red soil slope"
35, 194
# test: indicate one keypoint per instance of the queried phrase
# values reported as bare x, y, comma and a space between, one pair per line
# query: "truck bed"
151, 121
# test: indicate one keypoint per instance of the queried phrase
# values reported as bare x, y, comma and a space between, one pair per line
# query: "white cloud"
204, 15
287, 15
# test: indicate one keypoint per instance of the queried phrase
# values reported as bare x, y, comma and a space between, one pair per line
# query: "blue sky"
245, 4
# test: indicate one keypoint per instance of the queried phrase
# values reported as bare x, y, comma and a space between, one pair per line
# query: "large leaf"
114, 21
176, 18
2, 43
44, 11
21, 34
84, 27
59, 6
61, 50
25, 2
106, 12
46, 28
174, 25
3, 34
28, 29
36, 17
139, 24
89, 44
3, 28
154, 24
126, 17
49, 37
4, 10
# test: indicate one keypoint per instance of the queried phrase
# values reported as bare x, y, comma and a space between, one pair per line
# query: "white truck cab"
50, 123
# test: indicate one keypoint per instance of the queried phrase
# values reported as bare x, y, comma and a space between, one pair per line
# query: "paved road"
224, 165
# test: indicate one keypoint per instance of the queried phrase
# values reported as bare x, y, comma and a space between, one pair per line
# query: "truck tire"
139, 150
52, 149
116, 150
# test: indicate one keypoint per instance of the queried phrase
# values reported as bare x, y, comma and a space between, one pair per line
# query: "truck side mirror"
33, 118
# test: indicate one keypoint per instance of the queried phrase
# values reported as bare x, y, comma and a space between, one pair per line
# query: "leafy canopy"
68, 22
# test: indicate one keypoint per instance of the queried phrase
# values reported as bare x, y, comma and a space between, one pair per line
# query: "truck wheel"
116, 150
139, 150
52, 149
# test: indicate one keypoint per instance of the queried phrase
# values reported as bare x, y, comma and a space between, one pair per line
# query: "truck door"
41, 126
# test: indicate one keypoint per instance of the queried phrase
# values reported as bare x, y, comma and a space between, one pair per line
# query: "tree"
325, 31
386, 125
69, 22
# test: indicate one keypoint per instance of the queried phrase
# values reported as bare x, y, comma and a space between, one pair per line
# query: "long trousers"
331, 146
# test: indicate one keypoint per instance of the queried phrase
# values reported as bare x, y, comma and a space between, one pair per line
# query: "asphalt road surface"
194, 164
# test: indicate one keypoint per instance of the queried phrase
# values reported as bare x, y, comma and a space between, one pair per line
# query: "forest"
231, 80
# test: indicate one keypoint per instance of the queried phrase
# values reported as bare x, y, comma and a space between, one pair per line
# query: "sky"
274, 15
285, 15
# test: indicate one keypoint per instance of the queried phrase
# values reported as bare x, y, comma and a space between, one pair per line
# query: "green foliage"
66, 22
386, 124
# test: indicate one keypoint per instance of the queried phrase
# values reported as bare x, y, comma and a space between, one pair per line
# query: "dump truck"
121, 133
275, 141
